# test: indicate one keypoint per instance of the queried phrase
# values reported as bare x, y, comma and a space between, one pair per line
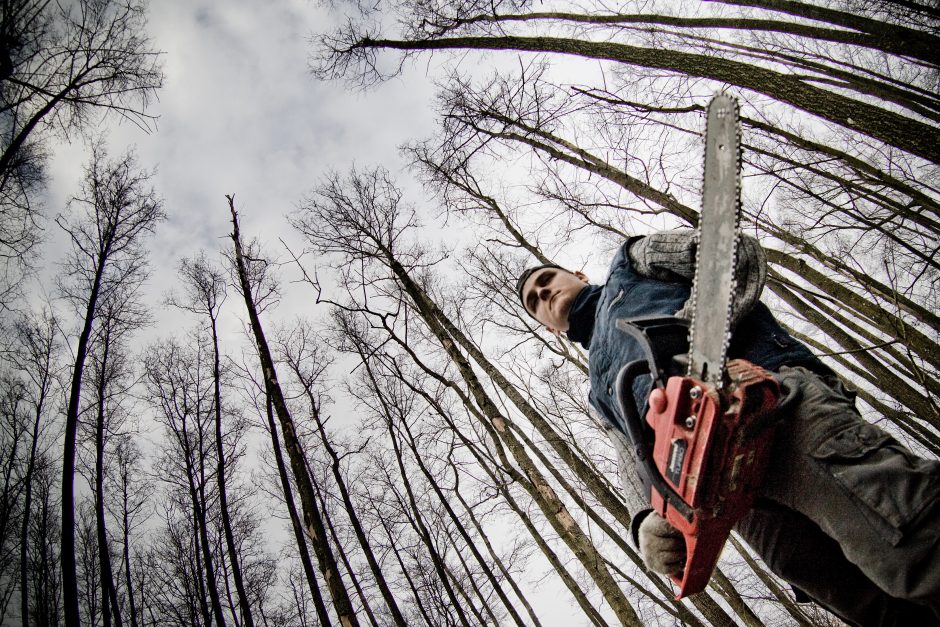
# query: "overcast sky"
240, 113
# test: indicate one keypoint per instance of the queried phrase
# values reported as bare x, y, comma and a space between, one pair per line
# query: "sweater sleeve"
670, 256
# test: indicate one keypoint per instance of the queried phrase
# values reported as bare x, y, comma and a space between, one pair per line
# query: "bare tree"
362, 220
108, 222
204, 296
179, 381
62, 66
130, 506
36, 357
299, 351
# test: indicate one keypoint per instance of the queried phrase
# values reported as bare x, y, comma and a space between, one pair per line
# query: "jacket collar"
581, 315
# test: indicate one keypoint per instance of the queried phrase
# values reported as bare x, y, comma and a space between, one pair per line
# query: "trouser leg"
795, 549
871, 495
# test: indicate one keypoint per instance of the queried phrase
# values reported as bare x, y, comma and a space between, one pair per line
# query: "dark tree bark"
110, 607
296, 523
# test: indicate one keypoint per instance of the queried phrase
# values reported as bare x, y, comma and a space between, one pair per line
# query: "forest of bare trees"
411, 449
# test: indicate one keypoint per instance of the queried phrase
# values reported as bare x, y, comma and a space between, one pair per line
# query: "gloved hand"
661, 545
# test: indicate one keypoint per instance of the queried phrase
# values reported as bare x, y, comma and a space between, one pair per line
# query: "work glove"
661, 545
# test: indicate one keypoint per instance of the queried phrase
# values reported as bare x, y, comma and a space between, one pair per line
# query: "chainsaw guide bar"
713, 287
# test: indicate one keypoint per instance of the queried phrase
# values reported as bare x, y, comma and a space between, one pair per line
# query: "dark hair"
520, 283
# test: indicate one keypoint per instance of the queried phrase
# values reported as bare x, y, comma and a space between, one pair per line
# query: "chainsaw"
704, 445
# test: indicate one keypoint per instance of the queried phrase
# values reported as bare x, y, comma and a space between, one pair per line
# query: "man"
846, 514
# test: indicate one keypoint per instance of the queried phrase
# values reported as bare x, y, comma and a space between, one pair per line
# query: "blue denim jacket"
759, 338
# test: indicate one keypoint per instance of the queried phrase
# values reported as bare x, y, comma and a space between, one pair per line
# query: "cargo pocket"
887, 482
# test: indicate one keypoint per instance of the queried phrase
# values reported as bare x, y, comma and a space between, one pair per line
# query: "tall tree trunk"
405, 570
418, 523
197, 497
312, 520
498, 427
202, 590
201, 507
459, 524
45, 381
507, 576
24, 526
366, 606
350, 507
129, 581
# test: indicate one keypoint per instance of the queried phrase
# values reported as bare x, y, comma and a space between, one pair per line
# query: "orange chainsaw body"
712, 461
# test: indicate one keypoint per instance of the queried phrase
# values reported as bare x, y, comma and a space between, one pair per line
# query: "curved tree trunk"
891, 128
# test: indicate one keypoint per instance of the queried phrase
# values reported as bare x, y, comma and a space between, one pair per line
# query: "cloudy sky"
240, 113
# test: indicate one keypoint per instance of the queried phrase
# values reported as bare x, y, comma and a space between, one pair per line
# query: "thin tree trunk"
343, 558
417, 522
127, 560
507, 576
201, 592
468, 541
497, 425
404, 570
199, 514
28, 496
24, 527
380, 580
228, 588
243, 605
109, 601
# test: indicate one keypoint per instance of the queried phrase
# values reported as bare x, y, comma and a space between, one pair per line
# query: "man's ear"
581, 276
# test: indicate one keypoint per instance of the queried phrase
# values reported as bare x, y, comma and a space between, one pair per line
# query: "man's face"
548, 295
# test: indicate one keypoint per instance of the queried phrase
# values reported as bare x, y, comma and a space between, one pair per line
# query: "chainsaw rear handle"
642, 437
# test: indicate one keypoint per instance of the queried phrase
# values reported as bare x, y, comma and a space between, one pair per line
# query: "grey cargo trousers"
847, 514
